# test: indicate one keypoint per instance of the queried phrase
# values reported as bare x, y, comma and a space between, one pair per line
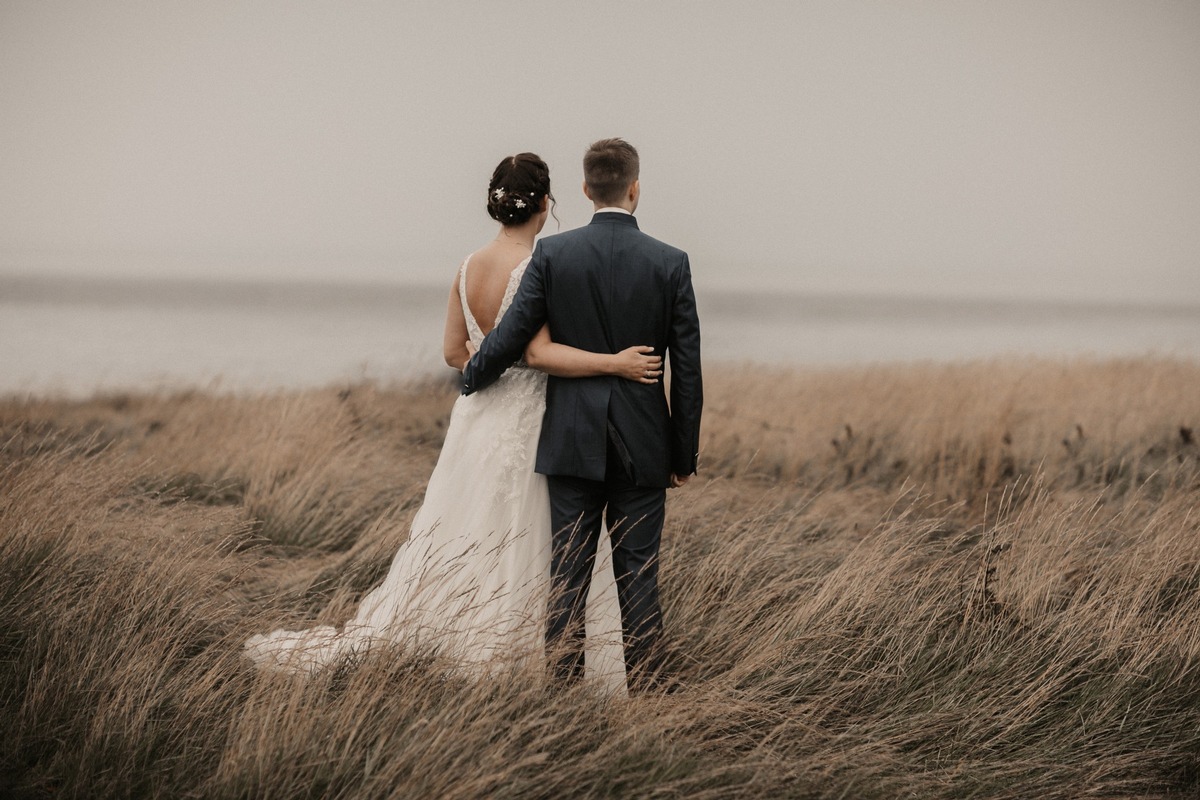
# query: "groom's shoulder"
557, 241
580, 236
658, 251
668, 250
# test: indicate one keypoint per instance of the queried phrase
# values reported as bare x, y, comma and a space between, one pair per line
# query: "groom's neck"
612, 207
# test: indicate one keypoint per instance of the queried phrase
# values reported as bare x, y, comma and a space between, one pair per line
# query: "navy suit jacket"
605, 287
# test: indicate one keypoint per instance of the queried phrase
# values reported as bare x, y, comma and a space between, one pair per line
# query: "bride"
472, 580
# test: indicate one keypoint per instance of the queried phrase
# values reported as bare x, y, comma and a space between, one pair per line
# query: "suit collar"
613, 216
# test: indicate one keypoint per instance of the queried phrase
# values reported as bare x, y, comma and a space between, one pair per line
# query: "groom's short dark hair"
609, 167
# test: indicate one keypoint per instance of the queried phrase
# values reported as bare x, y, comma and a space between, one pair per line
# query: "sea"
73, 337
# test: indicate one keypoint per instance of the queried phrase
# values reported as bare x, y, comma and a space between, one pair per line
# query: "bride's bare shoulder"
494, 262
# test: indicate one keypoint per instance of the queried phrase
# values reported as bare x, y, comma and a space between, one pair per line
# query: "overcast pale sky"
1028, 149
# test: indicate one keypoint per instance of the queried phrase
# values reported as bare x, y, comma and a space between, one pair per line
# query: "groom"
609, 447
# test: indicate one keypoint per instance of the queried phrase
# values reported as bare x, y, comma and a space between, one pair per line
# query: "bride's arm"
633, 363
454, 342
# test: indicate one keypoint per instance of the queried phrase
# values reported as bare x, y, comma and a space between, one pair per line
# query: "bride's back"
487, 274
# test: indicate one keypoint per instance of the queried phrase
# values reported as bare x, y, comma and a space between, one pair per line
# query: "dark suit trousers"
635, 520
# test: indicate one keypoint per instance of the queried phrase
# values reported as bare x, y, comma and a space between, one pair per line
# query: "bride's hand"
471, 349
637, 364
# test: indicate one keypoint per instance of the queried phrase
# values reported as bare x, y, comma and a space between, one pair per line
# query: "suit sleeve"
687, 385
506, 343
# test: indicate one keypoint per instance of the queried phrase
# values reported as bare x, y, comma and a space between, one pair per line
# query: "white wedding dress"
472, 580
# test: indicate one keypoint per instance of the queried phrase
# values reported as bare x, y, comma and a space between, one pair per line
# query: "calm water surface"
76, 336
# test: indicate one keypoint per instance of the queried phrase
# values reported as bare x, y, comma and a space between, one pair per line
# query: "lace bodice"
510, 291
519, 393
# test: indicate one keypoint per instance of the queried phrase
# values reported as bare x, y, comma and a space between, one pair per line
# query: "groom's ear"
586, 192
635, 192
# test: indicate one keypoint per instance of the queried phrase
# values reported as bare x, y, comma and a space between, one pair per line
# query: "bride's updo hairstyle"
519, 184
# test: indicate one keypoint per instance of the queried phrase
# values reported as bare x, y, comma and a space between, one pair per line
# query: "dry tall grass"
923, 581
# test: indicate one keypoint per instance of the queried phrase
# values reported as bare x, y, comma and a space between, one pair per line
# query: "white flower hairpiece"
499, 193
519, 203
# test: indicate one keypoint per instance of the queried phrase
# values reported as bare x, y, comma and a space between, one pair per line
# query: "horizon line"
304, 284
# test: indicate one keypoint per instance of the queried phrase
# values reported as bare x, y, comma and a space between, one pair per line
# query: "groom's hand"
679, 480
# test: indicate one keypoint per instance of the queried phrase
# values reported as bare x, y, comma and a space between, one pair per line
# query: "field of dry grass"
977, 580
